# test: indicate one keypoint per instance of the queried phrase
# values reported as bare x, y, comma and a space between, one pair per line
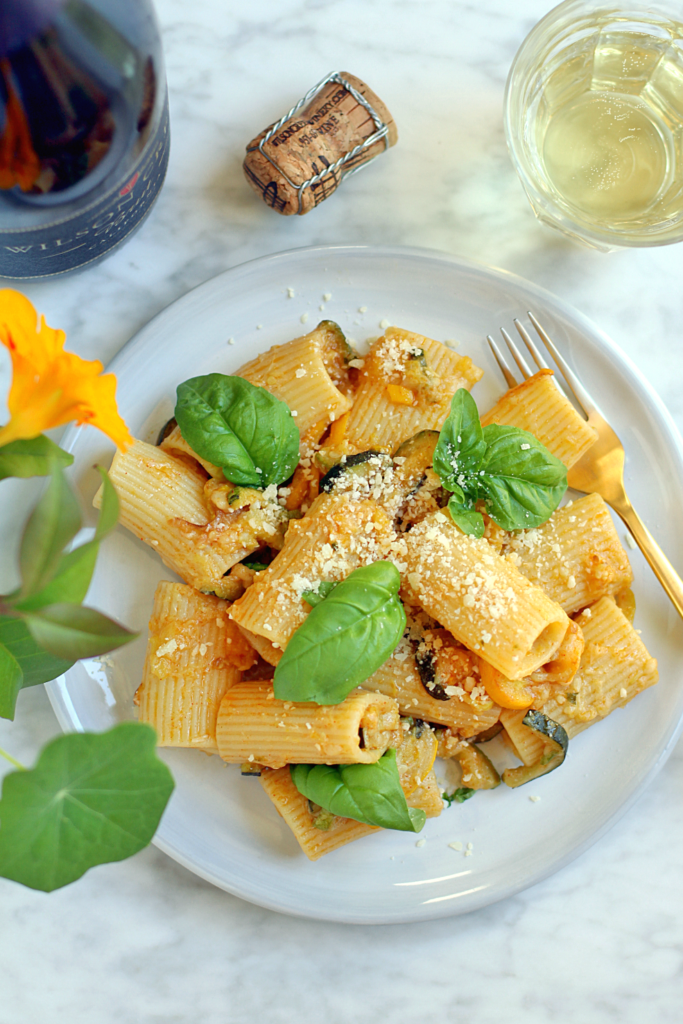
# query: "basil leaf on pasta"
522, 482
469, 520
460, 448
240, 427
370, 793
344, 639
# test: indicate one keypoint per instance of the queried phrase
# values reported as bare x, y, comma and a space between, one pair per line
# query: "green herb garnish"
344, 639
520, 482
370, 793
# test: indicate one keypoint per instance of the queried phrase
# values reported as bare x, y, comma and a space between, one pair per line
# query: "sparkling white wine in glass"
602, 122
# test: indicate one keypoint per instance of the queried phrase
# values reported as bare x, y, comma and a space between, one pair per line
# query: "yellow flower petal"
51, 387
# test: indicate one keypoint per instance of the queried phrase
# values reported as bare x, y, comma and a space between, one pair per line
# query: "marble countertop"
145, 941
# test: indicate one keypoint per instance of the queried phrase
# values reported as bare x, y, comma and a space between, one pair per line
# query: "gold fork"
601, 469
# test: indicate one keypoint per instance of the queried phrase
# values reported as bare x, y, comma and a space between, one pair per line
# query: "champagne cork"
337, 127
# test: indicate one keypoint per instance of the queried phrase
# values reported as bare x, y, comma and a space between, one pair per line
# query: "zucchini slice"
336, 353
416, 455
554, 750
477, 769
426, 666
362, 464
168, 428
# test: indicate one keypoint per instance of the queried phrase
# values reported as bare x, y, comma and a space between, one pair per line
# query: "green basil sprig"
519, 480
43, 628
242, 428
90, 799
370, 793
344, 639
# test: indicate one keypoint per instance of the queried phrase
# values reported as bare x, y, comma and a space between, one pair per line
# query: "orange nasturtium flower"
51, 387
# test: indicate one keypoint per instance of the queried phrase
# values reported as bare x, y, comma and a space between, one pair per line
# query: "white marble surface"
144, 941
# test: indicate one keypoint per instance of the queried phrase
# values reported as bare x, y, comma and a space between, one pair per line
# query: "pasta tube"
615, 668
299, 374
399, 678
335, 537
316, 831
253, 725
481, 598
163, 503
194, 654
576, 556
415, 366
537, 405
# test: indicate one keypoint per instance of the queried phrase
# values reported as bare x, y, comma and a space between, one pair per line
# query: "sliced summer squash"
554, 750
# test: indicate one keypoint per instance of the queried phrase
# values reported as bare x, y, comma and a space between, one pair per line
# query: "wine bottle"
84, 136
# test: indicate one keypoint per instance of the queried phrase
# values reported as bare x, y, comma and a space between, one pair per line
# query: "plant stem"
12, 760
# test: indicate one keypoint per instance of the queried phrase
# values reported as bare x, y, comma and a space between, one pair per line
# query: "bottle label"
90, 234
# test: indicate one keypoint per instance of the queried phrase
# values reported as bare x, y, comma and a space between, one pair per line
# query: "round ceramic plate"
223, 826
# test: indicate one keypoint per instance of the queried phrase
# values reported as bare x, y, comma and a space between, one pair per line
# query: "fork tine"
526, 338
516, 355
584, 400
502, 365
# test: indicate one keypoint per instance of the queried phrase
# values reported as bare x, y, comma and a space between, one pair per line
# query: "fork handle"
659, 563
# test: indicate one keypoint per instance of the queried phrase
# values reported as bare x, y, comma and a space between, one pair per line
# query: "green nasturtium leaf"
55, 520
90, 799
71, 580
71, 631
344, 639
240, 427
31, 457
522, 482
11, 678
370, 793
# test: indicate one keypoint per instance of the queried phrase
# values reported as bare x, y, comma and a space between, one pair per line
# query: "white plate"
223, 826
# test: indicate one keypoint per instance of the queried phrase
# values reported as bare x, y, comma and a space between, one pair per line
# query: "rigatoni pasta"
479, 627
539, 407
253, 725
194, 654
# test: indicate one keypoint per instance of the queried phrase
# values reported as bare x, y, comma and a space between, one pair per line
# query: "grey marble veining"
144, 941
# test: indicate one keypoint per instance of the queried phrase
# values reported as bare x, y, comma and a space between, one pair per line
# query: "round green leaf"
344, 639
91, 798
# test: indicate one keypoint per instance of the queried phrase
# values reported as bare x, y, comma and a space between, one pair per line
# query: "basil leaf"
71, 580
255, 566
55, 520
522, 482
344, 639
71, 631
460, 448
459, 795
470, 521
37, 665
11, 678
242, 428
314, 597
32, 456
90, 799
365, 792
